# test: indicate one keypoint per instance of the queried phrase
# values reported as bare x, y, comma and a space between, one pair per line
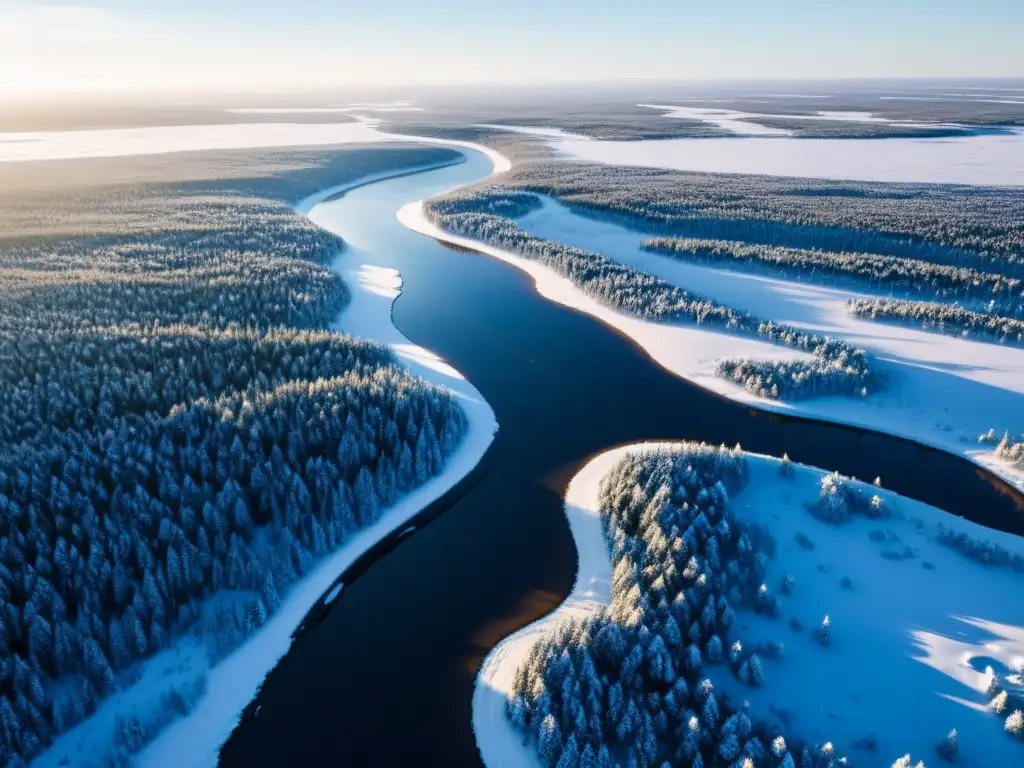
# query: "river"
385, 675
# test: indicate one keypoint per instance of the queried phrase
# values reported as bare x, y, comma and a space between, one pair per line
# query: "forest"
874, 272
182, 436
942, 318
837, 368
631, 685
973, 227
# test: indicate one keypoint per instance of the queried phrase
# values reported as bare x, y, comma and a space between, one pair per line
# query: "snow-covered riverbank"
911, 615
499, 743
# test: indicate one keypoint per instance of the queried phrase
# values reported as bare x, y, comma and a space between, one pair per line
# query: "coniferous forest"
628, 685
181, 435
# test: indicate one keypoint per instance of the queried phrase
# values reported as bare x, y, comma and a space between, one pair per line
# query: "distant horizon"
94, 47
222, 96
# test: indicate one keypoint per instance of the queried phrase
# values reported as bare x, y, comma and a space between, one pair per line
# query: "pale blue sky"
116, 44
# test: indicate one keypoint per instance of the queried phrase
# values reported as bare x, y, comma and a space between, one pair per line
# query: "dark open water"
385, 677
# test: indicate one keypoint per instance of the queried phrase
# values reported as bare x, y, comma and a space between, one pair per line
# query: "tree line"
942, 318
873, 271
979, 228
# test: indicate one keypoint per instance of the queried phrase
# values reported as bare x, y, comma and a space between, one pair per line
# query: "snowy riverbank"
500, 745
908, 614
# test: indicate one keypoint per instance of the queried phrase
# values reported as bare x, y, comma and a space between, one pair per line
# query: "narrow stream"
385, 676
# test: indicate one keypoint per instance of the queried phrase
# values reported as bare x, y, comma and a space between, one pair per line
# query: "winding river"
385, 675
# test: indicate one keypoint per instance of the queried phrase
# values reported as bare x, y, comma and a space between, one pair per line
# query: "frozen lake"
982, 160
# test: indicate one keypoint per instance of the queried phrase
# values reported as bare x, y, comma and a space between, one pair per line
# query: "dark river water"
385, 676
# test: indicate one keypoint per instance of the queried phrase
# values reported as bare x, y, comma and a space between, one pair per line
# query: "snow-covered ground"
359, 106
981, 160
913, 639
120, 142
535, 130
730, 120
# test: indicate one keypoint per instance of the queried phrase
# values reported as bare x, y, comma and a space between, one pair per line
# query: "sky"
252, 45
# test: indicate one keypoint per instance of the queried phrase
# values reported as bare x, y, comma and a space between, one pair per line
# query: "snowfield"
988, 160
121, 142
745, 123
984, 160
916, 632
360, 106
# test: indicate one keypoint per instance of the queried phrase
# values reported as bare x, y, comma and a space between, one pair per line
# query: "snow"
287, 110
374, 285
727, 119
993, 159
941, 390
535, 130
735, 121
913, 640
120, 142
383, 106
912, 643
90, 740
331, 596
499, 161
